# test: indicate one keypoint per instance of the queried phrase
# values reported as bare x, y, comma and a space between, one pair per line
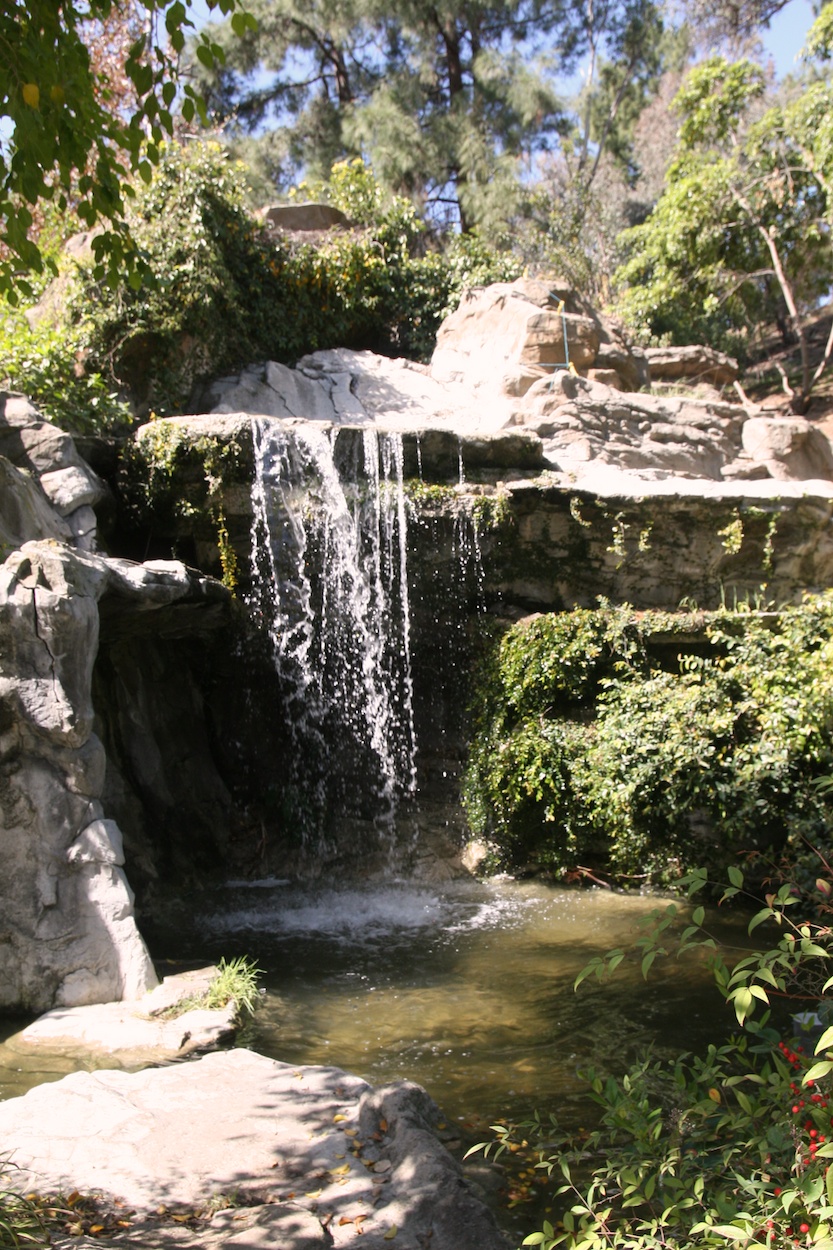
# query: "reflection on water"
465, 988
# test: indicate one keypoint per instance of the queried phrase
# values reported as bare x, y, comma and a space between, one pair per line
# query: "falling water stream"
330, 586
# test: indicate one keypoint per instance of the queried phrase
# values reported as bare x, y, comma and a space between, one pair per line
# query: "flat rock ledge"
292, 1156
157, 1028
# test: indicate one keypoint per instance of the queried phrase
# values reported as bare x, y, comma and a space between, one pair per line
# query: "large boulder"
692, 363
505, 337
791, 448
307, 1157
305, 216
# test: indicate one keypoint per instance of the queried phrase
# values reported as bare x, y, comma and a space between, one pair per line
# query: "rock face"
46, 489
501, 362
695, 363
312, 1157
586, 426
68, 931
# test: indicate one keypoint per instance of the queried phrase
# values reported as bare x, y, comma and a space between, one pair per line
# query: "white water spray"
329, 585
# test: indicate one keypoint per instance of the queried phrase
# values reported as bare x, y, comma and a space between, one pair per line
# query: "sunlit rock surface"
535, 356
309, 1156
68, 934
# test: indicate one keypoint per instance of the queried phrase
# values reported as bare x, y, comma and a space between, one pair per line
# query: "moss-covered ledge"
185, 488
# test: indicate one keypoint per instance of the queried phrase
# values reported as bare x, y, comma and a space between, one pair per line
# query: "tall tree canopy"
87, 94
452, 102
743, 231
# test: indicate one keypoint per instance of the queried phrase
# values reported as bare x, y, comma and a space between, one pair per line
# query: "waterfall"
330, 588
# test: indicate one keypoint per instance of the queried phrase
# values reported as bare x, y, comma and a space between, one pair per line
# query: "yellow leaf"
345, 1167
314, 1193
391, 1233
714, 1094
31, 94
338, 1119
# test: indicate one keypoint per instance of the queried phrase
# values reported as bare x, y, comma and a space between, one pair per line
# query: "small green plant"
236, 981
228, 556
732, 535
21, 1217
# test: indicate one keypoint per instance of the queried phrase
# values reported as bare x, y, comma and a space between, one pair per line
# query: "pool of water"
466, 989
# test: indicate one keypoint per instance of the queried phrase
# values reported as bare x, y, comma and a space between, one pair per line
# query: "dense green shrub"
226, 292
45, 362
589, 751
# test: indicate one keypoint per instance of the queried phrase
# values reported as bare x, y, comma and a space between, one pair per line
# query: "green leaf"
735, 876
825, 1041
759, 918
818, 1070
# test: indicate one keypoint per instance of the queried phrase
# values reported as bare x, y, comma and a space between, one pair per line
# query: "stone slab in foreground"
313, 1156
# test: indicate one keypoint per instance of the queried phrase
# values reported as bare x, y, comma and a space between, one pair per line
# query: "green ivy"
589, 749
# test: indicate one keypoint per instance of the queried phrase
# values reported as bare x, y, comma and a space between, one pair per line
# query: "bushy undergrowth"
46, 363
591, 752
222, 291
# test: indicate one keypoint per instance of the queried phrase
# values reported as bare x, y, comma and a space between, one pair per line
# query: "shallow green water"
467, 988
